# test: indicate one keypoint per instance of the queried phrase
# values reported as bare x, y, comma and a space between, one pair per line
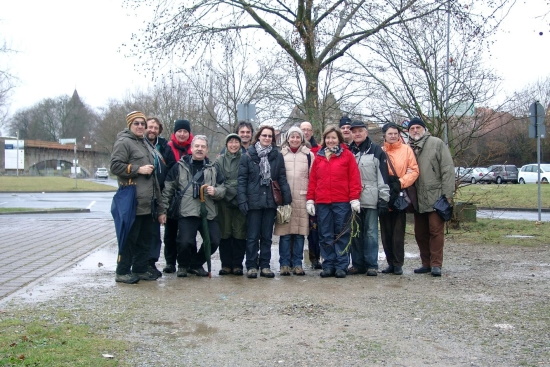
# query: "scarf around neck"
418, 145
265, 169
337, 150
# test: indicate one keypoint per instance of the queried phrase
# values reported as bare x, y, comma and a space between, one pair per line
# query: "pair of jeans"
232, 252
135, 252
364, 252
259, 228
392, 232
291, 250
188, 256
334, 234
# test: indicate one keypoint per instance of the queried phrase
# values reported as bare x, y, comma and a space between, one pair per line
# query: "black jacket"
249, 189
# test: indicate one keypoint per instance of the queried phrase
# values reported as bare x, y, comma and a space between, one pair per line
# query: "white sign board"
14, 154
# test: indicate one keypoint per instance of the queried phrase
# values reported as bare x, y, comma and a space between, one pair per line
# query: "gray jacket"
130, 153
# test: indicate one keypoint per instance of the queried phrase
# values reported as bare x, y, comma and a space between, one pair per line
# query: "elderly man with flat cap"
132, 161
436, 178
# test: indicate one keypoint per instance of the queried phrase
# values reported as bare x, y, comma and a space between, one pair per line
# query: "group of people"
335, 193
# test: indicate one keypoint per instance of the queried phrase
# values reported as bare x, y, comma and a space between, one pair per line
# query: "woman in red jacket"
333, 192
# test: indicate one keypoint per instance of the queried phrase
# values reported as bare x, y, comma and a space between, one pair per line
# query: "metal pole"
538, 166
445, 124
17, 157
75, 168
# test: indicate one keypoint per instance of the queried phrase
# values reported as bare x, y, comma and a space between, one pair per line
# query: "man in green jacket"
436, 178
189, 174
132, 161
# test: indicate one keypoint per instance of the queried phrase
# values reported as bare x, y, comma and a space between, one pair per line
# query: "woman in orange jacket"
403, 171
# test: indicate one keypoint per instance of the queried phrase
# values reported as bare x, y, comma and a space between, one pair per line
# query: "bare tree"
53, 119
414, 69
313, 34
7, 83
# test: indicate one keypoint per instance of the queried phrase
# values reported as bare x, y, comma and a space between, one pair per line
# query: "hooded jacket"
129, 153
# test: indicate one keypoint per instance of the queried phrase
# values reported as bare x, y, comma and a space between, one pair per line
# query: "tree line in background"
317, 61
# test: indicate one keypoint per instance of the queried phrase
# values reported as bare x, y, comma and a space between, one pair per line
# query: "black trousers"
232, 252
392, 231
188, 256
170, 241
135, 253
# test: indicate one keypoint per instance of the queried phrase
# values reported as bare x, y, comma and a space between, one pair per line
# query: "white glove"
310, 207
355, 205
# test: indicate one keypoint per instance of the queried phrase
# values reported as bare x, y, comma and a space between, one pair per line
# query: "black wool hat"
416, 121
344, 121
182, 124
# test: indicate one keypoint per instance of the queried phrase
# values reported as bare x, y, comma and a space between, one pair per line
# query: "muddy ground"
490, 308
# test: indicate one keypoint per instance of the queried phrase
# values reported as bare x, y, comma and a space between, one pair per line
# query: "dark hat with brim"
357, 123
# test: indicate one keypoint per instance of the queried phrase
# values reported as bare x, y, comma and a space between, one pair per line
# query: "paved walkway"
32, 249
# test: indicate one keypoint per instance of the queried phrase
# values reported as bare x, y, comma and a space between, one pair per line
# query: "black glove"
243, 207
382, 207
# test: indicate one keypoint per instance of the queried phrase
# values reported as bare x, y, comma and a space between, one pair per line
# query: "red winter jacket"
334, 181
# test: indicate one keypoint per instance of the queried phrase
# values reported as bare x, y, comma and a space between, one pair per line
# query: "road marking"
91, 204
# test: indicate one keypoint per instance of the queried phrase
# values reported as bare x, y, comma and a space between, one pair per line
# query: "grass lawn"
49, 184
504, 196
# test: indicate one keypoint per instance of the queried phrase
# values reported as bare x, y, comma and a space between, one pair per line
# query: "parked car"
475, 175
502, 173
459, 172
101, 173
529, 174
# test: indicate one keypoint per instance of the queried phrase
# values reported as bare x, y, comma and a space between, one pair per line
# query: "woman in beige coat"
298, 160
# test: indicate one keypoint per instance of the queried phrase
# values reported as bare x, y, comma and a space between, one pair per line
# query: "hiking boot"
266, 272
225, 271
153, 269
285, 270
326, 273
423, 270
436, 271
126, 278
340, 273
169, 268
388, 270
372, 272
298, 270
182, 272
252, 273
147, 276
398, 270
200, 272
354, 271
237, 271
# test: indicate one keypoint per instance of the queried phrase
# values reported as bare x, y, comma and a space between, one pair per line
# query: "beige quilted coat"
297, 175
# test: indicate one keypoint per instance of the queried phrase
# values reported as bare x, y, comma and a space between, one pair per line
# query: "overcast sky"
68, 44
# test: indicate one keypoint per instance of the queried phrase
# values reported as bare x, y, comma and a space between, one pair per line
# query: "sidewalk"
33, 249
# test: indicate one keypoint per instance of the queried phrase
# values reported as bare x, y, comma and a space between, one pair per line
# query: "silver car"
502, 173
475, 174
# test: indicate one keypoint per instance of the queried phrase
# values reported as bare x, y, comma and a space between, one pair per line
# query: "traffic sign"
537, 116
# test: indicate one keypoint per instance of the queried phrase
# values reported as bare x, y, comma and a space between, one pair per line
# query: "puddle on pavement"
98, 262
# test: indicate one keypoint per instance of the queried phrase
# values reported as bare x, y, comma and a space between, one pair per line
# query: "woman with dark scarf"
179, 146
259, 166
